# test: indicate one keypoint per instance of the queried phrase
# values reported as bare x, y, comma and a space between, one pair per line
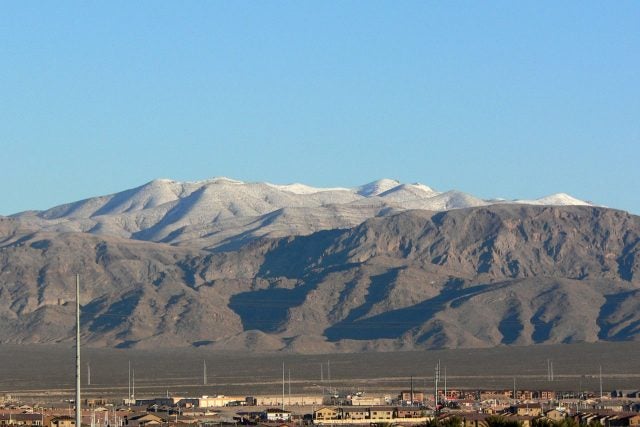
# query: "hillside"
475, 277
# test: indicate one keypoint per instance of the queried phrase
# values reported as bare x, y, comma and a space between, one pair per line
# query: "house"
91, 403
186, 420
188, 402
607, 418
625, 393
21, 419
555, 415
624, 420
411, 396
634, 420
355, 413
365, 401
276, 400
222, 400
326, 413
382, 412
62, 421
452, 394
409, 412
524, 394
144, 419
546, 395
159, 401
498, 395
527, 409
523, 420
275, 414
471, 419
615, 406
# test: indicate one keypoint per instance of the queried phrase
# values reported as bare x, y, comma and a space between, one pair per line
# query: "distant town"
410, 407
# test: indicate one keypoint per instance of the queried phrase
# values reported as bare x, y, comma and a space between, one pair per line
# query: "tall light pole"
435, 388
204, 369
78, 407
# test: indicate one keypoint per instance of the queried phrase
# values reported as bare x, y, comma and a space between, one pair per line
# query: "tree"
497, 421
451, 421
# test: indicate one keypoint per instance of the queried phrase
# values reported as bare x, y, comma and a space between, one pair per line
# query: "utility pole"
445, 384
129, 390
78, 406
436, 379
322, 378
329, 375
411, 390
204, 367
601, 395
289, 387
133, 385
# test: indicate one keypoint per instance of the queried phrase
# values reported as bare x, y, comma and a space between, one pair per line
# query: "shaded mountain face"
477, 277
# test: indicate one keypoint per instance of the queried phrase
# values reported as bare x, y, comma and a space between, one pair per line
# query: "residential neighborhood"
468, 408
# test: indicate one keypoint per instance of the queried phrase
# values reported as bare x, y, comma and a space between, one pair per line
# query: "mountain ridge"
414, 279
222, 213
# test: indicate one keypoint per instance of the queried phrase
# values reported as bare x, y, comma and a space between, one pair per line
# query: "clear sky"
498, 98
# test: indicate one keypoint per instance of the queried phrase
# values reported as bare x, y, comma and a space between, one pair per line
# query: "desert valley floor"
180, 371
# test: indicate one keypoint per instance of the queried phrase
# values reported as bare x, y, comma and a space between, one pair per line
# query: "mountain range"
225, 214
384, 266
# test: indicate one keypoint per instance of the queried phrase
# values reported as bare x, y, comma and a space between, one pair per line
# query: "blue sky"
498, 99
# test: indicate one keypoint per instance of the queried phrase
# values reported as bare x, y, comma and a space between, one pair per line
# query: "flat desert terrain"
46, 372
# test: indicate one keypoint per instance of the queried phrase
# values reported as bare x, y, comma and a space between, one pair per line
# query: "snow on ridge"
221, 208
557, 199
377, 187
423, 187
298, 188
408, 191
217, 180
218, 197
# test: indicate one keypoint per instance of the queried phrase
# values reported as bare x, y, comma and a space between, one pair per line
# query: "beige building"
21, 419
275, 414
326, 413
365, 401
529, 409
218, 401
555, 415
62, 421
355, 413
408, 412
382, 412
276, 400
408, 396
145, 419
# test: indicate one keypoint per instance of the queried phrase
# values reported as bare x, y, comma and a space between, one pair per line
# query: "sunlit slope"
225, 214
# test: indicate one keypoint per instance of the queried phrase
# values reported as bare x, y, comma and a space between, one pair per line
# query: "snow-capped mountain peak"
298, 188
376, 188
223, 213
557, 199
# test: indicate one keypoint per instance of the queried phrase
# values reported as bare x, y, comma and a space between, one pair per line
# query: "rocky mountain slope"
225, 214
481, 276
